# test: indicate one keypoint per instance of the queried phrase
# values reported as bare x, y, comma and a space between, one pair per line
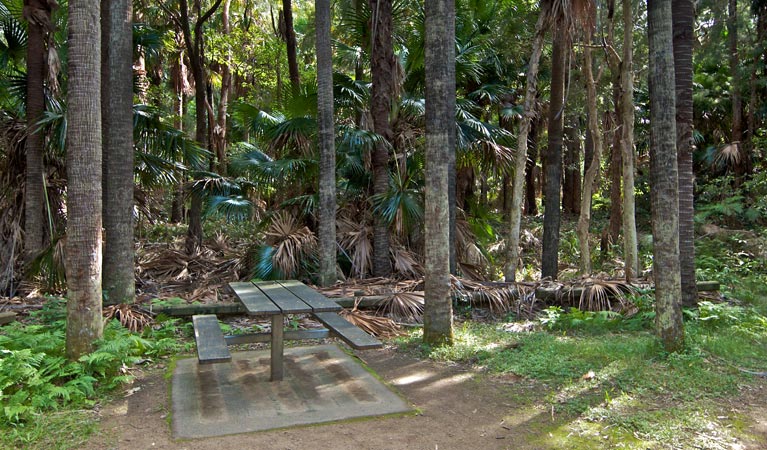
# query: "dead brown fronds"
498, 299
371, 323
130, 316
404, 306
405, 263
292, 242
355, 238
603, 295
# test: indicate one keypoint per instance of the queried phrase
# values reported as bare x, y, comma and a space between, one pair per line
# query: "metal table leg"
278, 321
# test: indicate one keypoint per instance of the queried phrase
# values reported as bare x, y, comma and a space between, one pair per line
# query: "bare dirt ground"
457, 408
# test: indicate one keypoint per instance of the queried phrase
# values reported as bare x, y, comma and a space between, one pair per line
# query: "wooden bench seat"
348, 332
211, 345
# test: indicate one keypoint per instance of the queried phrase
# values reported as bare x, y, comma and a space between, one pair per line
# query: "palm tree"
664, 177
38, 14
440, 95
118, 153
383, 70
684, 34
83, 249
743, 164
327, 184
290, 41
552, 212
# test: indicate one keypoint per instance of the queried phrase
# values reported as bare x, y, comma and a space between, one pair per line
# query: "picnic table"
277, 299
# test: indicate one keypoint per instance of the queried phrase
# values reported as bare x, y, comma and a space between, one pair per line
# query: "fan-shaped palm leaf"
292, 242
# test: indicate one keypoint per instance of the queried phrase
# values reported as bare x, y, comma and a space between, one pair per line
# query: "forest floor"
457, 407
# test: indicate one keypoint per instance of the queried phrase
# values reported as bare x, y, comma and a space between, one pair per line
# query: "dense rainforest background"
591, 151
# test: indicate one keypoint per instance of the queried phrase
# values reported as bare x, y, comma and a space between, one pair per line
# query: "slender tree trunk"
83, 248
592, 172
552, 211
664, 177
327, 187
440, 104
520, 164
38, 16
290, 41
117, 131
742, 167
615, 222
219, 129
383, 71
630, 244
571, 194
683, 23
531, 169
195, 50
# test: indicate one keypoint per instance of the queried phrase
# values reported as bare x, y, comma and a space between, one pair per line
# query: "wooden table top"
281, 297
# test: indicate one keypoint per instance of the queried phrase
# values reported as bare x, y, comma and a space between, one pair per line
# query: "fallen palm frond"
405, 263
370, 323
498, 299
130, 316
403, 306
598, 295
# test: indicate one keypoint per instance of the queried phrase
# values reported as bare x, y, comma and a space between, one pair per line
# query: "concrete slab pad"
321, 384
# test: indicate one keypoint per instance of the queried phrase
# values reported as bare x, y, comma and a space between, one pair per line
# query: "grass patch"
608, 383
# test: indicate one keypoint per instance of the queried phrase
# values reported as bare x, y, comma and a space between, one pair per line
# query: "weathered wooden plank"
286, 300
211, 346
287, 335
349, 333
254, 300
317, 301
7, 317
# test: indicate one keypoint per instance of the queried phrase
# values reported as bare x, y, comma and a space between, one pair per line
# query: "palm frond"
355, 238
292, 243
404, 306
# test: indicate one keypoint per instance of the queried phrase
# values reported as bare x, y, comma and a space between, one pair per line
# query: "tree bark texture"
742, 166
440, 104
531, 169
552, 212
290, 43
117, 132
382, 67
664, 177
195, 50
683, 18
327, 187
520, 162
37, 13
219, 128
592, 172
571, 192
630, 244
83, 248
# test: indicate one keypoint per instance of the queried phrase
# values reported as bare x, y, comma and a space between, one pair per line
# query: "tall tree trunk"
743, 166
551, 211
195, 50
615, 222
219, 129
683, 23
38, 14
440, 104
383, 72
327, 187
592, 172
630, 245
531, 169
520, 162
117, 132
664, 177
571, 193
290, 41
83, 248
